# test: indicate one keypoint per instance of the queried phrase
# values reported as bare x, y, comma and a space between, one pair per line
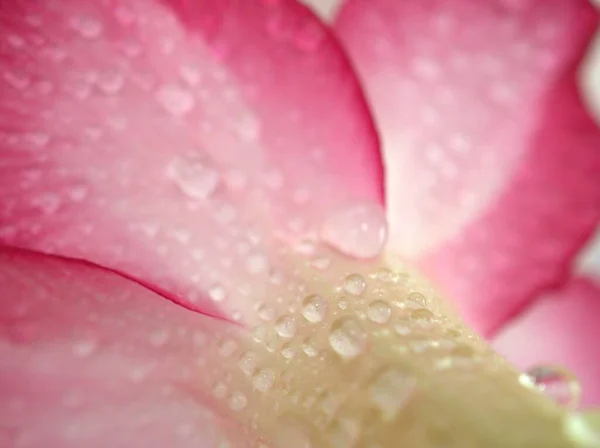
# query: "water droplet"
237, 401
321, 263
359, 231
342, 304
220, 390
259, 334
217, 293
391, 390
379, 312
423, 318
48, 203
385, 275
193, 178
263, 380
176, 100
314, 308
583, 428
84, 348
285, 327
288, 351
257, 263
266, 313
414, 301
354, 284
558, 383
309, 348
248, 363
87, 27
347, 337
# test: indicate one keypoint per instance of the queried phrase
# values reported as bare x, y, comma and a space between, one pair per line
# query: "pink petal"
563, 329
173, 140
89, 359
492, 159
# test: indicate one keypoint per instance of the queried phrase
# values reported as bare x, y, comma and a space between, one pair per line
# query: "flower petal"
172, 140
560, 329
493, 161
88, 358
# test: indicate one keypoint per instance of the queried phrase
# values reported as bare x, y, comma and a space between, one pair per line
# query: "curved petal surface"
88, 358
172, 140
492, 159
562, 328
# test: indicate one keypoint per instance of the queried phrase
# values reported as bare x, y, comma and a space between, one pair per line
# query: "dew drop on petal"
285, 326
309, 348
264, 379
354, 284
175, 100
347, 337
379, 312
390, 391
193, 177
359, 231
314, 308
556, 382
237, 401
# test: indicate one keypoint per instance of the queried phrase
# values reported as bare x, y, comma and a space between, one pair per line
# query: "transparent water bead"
314, 308
556, 382
354, 284
358, 230
347, 337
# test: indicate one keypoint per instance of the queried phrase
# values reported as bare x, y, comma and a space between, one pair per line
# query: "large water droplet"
379, 312
314, 308
390, 391
347, 337
193, 178
285, 327
359, 231
556, 382
354, 284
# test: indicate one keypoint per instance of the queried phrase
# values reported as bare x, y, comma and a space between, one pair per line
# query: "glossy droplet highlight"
285, 326
194, 178
176, 100
309, 348
263, 380
359, 231
354, 284
237, 401
556, 382
347, 337
379, 312
314, 308
390, 391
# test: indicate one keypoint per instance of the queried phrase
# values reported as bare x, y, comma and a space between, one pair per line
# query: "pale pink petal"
173, 140
327, 9
90, 359
492, 160
562, 328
